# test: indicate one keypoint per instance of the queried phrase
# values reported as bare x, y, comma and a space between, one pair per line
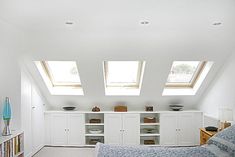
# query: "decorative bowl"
149, 130
176, 107
69, 108
95, 131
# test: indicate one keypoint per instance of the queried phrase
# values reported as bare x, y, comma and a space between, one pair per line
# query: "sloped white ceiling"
111, 30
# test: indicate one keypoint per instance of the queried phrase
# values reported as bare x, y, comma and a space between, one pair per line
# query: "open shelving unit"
13, 145
150, 132
92, 137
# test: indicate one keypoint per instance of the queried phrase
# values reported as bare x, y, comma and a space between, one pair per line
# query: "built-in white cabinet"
170, 128
180, 128
122, 129
66, 129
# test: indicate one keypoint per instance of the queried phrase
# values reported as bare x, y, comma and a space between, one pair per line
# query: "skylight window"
61, 77
123, 77
62, 73
186, 77
184, 73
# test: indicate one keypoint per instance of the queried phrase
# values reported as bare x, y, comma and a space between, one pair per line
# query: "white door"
113, 128
131, 129
37, 121
26, 110
48, 128
168, 129
186, 134
76, 129
59, 129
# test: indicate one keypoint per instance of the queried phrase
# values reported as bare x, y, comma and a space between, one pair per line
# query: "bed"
220, 145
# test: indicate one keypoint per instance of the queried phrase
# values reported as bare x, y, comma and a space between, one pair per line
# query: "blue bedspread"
104, 150
220, 145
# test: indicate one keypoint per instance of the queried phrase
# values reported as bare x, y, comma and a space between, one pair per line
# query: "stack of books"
12, 147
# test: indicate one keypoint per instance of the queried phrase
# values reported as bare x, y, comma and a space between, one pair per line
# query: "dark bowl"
69, 108
176, 107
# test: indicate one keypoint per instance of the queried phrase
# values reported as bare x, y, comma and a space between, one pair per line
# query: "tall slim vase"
6, 117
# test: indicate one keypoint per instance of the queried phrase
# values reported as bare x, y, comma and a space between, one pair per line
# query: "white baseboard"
29, 155
37, 150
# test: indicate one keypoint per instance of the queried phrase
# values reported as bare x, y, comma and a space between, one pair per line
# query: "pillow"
225, 140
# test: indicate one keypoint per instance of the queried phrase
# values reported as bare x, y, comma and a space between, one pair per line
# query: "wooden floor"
65, 152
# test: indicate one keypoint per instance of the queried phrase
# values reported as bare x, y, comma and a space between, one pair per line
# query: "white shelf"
147, 135
94, 134
96, 124
7, 138
150, 145
147, 124
18, 154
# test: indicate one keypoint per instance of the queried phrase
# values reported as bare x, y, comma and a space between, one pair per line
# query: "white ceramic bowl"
95, 131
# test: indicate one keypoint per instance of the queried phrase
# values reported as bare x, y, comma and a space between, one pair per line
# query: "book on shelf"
0, 150
21, 141
12, 147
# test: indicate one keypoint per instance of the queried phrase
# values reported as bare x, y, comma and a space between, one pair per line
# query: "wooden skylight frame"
136, 84
47, 71
194, 80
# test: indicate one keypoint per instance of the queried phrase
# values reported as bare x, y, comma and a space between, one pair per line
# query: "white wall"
22, 91
32, 114
12, 42
221, 93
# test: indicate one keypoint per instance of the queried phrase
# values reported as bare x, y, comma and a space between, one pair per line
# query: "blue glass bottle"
6, 117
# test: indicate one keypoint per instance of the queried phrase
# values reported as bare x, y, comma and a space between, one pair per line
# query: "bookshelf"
93, 138
13, 145
150, 131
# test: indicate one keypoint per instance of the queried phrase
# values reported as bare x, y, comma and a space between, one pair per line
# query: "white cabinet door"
59, 129
76, 129
186, 129
113, 128
131, 129
168, 129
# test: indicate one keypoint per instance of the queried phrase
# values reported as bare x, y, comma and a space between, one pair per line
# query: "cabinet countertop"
163, 111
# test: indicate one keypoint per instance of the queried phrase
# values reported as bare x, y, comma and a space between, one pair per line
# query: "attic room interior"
115, 78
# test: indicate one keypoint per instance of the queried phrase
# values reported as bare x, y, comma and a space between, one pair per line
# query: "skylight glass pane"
63, 72
183, 71
125, 72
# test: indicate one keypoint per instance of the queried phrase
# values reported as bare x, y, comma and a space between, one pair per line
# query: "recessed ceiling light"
217, 23
69, 23
144, 22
